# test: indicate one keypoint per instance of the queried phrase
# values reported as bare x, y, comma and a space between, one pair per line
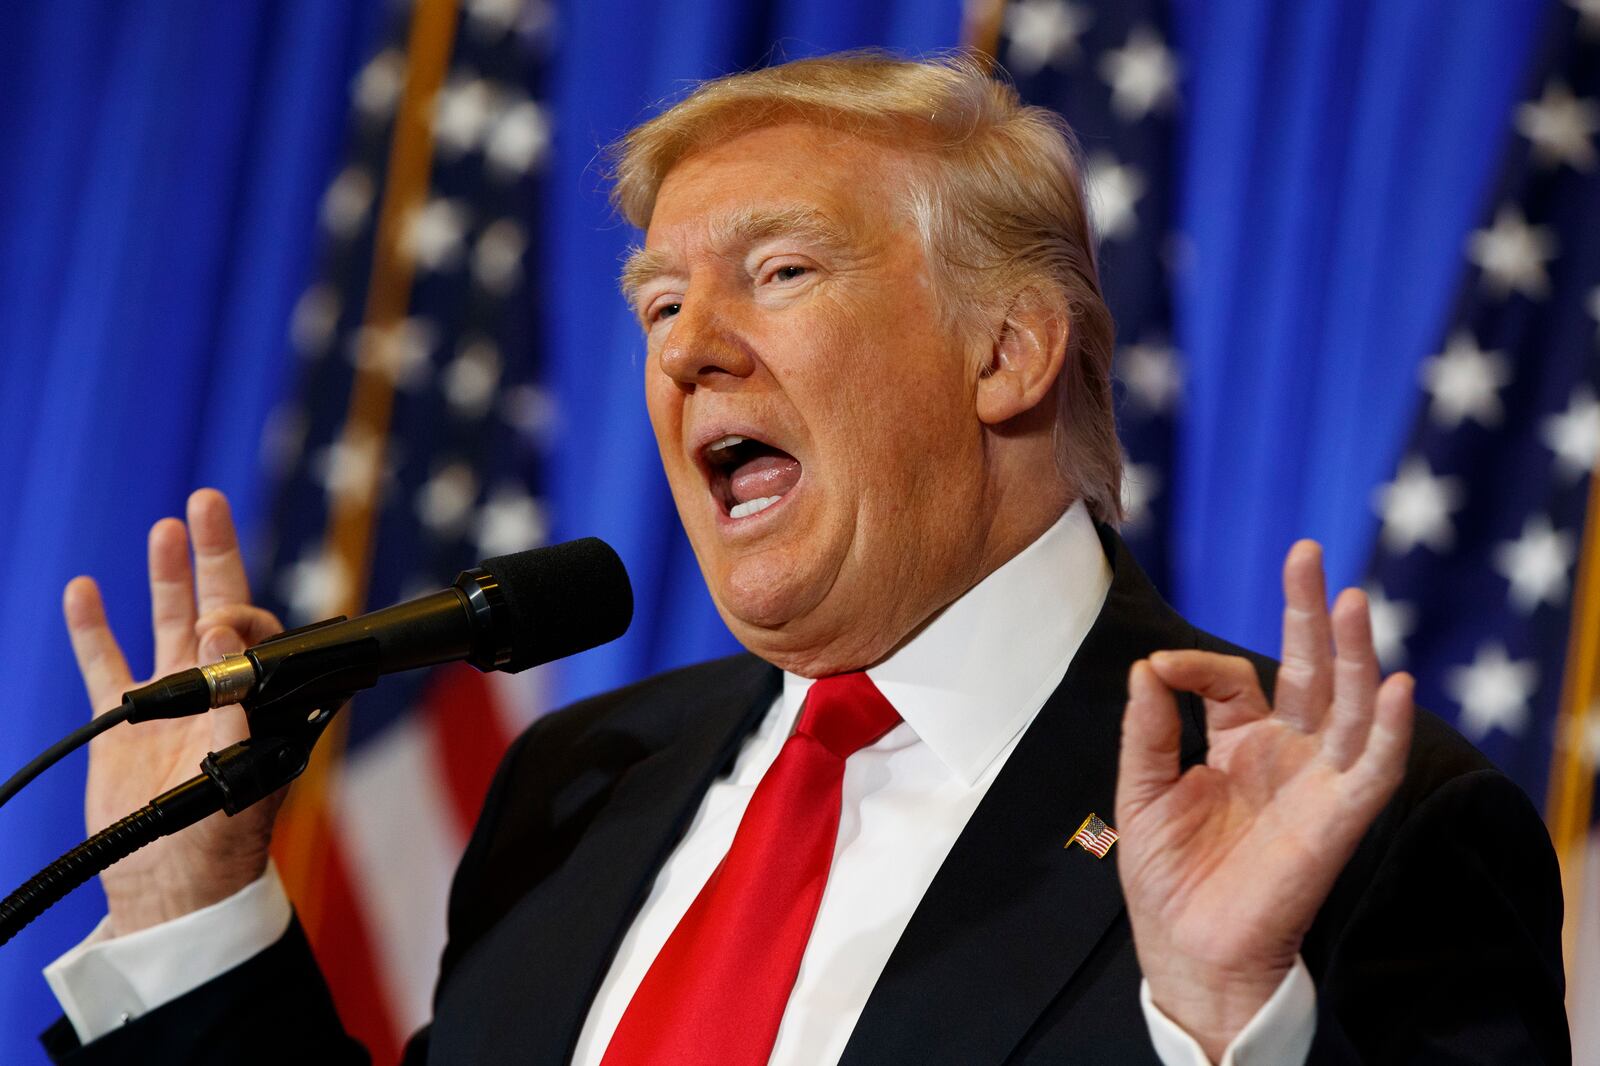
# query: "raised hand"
1224, 866
198, 615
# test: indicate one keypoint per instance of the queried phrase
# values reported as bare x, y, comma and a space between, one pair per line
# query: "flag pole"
980, 28
1570, 800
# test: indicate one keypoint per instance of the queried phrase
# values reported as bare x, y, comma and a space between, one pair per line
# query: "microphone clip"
294, 698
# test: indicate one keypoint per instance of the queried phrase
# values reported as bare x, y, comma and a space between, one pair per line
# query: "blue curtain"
160, 166
1335, 157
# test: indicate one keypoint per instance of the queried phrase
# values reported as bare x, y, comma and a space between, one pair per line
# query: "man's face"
814, 413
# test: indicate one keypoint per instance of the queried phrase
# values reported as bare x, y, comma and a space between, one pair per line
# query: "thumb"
220, 641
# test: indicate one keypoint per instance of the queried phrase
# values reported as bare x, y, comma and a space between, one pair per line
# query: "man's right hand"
198, 615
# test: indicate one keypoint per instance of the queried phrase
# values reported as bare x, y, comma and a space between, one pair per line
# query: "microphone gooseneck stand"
287, 712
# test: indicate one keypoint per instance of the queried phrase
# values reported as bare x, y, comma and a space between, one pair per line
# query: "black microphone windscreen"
562, 599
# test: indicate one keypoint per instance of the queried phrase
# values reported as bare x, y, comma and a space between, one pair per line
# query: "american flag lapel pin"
1094, 835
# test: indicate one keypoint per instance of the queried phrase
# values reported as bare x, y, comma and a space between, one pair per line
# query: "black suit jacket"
1440, 942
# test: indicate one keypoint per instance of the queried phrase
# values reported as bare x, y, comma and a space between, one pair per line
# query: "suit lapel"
554, 947
1013, 912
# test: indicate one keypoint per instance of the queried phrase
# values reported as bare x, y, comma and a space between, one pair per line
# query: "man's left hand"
1224, 866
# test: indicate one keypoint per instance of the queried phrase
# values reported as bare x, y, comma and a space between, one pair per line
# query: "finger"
1355, 681
1151, 733
171, 596
100, 662
1383, 762
1229, 684
1305, 676
219, 641
252, 623
218, 564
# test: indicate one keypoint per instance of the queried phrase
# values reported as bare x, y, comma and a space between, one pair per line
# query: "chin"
790, 626
768, 591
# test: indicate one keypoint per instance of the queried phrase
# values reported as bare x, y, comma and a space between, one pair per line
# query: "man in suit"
878, 375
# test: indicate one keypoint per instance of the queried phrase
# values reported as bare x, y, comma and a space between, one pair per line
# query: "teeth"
725, 442
750, 507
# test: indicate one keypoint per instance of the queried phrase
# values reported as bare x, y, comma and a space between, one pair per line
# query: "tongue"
765, 475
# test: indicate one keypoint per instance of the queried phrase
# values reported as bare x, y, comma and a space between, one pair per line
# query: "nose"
703, 346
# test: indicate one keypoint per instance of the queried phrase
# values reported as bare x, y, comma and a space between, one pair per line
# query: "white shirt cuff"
105, 982
1280, 1032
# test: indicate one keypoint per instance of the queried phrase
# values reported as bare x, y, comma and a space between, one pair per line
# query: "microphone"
509, 613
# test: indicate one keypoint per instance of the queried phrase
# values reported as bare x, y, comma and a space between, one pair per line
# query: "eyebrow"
737, 229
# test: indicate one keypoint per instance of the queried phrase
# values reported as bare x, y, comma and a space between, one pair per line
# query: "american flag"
1482, 523
1107, 69
1487, 522
410, 451
1094, 835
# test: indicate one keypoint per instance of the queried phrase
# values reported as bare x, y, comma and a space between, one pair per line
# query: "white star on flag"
314, 587
1537, 564
1142, 74
531, 411
1465, 382
349, 467
1152, 376
470, 378
1560, 126
497, 256
491, 18
1416, 507
444, 503
519, 140
1113, 190
510, 521
433, 234
1574, 435
1493, 691
1044, 32
402, 353
315, 316
283, 438
1513, 254
462, 111
377, 87
347, 201
1393, 622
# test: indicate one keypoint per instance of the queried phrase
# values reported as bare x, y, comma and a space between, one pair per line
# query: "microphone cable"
61, 749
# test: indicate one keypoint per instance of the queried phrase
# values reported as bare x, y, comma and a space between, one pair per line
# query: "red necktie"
718, 989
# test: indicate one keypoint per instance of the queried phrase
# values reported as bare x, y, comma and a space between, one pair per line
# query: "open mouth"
748, 475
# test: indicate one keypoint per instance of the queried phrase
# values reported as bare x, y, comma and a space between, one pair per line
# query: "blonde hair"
999, 206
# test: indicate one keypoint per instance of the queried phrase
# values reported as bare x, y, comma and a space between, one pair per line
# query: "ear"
1026, 358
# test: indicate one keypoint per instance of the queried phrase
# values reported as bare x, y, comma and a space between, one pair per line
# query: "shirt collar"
976, 674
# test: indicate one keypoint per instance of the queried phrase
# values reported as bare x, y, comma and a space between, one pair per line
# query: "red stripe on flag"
344, 951
469, 737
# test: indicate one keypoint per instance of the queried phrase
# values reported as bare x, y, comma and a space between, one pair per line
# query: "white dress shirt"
966, 686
